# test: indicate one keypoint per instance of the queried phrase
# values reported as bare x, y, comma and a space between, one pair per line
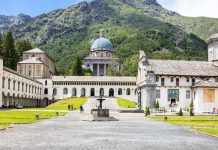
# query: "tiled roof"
35, 50
184, 68
206, 83
33, 60
94, 78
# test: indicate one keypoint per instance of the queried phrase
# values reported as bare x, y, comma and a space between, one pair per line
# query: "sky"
192, 8
36, 7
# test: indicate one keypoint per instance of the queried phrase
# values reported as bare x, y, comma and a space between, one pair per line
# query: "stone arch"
83, 92
92, 92
74, 92
54, 91
120, 91
111, 92
45, 91
128, 92
65, 91
101, 93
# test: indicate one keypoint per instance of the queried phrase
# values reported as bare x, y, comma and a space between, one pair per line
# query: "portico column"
105, 69
98, 72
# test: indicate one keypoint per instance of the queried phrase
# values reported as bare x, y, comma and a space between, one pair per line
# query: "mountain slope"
131, 25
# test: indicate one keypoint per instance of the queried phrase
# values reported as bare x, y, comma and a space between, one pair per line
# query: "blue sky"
36, 7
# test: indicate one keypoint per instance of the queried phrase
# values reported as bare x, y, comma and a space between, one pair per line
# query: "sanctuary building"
175, 83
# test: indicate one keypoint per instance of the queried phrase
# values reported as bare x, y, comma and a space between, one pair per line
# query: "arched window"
46, 91
74, 92
83, 92
128, 92
65, 91
9, 84
92, 92
111, 92
101, 92
120, 92
14, 84
3, 82
54, 91
46, 82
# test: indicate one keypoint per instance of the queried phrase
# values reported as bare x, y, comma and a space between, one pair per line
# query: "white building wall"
200, 106
1, 74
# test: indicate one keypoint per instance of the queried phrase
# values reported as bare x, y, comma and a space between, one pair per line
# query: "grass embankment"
125, 103
25, 116
204, 124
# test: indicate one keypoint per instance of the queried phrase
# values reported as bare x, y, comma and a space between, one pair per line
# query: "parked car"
18, 106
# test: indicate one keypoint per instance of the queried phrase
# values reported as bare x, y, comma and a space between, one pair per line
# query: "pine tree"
10, 53
22, 46
77, 69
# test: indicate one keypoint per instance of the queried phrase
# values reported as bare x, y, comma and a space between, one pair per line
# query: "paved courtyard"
133, 131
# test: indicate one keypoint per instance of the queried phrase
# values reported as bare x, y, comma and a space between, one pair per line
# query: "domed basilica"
101, 56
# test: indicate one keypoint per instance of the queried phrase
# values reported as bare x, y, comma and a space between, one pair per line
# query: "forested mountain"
131, 25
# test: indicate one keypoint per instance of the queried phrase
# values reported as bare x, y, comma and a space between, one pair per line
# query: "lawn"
63, 104
24, 117
205, 124
125, 103
213, 131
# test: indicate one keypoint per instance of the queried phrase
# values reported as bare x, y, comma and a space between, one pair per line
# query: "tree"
77, 69
88, 72
110, 71
191, 109
180, 112
1, 44
10, 54
157, 105
22, 46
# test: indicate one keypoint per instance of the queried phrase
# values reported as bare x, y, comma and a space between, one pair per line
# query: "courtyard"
133, 131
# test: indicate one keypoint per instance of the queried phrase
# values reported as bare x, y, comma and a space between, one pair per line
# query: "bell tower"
213, 48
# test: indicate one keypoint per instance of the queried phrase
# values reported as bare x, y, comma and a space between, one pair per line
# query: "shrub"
147, 111
180, 112
191, 109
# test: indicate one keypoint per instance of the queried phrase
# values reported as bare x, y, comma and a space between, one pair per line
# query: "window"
171, 79
18, 86
46, 91
14, 82
120, 91
193, 81
65, 91
157, 93
188, 94
157, 79
3, 82
177, 81
187, 79
162, 82
29, 72
46, 82
54, 91
216, 80
128, 92
9, 84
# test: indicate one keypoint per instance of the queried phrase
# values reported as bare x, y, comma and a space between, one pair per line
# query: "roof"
94, 78
101, 58
212, 38
102, 43
207, 84
184, 68
33, 60
16, 73
35, 50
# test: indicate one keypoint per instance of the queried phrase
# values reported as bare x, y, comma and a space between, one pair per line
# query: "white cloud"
208, 8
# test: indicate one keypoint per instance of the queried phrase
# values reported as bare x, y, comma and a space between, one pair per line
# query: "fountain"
101, 114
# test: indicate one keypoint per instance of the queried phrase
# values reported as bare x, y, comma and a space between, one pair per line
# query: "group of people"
71, 107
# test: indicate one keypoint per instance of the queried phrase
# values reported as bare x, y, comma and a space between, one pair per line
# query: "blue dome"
102, 43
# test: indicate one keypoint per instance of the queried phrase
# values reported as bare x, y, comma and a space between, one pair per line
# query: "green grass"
63, 104
204, 124
212, 131
125, 103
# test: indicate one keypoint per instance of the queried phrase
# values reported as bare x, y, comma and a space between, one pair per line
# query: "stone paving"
132, 132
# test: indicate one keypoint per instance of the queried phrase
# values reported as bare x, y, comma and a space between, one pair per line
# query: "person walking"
81, 109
